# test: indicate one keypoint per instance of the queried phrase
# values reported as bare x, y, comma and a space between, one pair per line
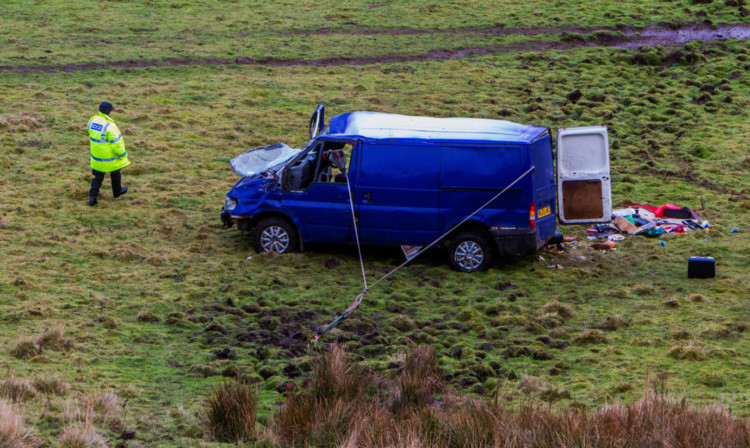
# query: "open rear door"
583, 183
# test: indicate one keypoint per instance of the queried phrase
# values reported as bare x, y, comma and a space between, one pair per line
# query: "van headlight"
230, 204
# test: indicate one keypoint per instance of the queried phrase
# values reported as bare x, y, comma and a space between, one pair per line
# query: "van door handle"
368, 196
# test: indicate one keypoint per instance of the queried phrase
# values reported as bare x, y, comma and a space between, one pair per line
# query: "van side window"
334, 160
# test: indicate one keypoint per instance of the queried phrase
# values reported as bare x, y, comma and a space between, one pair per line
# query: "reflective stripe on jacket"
107, 146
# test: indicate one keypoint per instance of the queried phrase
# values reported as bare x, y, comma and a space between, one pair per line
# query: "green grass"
55, 32
161, 250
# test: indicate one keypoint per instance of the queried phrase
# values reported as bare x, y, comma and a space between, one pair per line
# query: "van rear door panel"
583, 175
397, 193
544, 186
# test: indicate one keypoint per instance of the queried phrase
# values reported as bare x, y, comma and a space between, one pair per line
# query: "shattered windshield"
257, 160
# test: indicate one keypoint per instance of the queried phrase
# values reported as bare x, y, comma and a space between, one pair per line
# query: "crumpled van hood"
257, 160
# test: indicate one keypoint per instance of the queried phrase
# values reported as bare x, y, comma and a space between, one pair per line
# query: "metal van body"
412, 179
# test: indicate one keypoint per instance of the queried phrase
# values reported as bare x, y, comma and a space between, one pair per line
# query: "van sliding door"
583, 179
397, 193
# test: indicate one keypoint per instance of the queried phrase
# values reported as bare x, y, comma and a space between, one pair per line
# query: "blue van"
411, 180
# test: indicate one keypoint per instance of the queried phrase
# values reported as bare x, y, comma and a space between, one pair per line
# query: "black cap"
106, 107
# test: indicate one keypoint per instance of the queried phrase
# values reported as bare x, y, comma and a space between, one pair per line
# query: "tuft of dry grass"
418, 381
15, 390
229, 413
26, 348
696, 298
613, 323
81, 435
691, 351
13, 431
590, 337
50, 385
564, 310
54, 339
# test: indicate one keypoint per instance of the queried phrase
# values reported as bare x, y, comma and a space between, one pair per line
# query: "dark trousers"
96, 182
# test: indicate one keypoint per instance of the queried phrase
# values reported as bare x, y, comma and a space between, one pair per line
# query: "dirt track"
571, 37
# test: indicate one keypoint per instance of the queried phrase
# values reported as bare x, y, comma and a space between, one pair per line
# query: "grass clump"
613, 323
229, 412
13, 431
54, 339
590, 337
691, 351
418, 380
50, 385
564, 310
712, 379
82, 435
15, 390
26, 348
696, 298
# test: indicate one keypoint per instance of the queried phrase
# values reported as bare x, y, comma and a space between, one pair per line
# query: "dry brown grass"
15, 390
590, 337
13, 431
50, 385
81, 435
54, 339
26, 348
367, 420
418, 381
229, 413
564, 310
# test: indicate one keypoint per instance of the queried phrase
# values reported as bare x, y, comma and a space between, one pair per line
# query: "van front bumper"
243, 222
515, 240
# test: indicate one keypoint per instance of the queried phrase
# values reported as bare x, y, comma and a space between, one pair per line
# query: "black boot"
92, 199
123, 190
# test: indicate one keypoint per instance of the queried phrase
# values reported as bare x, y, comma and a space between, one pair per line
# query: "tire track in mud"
573, 37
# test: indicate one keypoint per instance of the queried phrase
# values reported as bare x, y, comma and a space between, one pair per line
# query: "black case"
701, 267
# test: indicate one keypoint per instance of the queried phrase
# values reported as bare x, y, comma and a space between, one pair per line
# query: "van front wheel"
275, 235
470, 252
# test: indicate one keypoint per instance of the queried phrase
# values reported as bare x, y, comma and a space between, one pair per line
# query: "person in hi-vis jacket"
108, 153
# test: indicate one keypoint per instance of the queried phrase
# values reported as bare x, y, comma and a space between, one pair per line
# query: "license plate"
544, 211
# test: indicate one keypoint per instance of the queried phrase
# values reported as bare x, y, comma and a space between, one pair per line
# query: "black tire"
275, 235
470, 252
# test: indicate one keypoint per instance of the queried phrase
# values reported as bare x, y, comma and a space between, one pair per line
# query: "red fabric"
660, 211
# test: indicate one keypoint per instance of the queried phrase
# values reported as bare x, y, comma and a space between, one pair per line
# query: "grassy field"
130, 312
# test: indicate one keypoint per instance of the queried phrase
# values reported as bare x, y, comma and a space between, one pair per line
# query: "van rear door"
583, 181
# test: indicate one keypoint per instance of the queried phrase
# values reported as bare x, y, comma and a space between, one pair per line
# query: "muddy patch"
627, 37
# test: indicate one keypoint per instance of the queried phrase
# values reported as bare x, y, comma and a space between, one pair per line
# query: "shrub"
229, 413
82, 435
13, 431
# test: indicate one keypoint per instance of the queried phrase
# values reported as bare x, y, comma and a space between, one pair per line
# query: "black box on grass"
701, 267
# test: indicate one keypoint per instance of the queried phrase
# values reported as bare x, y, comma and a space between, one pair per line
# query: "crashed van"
410, 181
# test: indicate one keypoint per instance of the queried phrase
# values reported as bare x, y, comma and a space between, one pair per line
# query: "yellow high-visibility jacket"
107, 147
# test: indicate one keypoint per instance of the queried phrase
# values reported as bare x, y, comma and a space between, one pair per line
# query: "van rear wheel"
275, 235
470, 252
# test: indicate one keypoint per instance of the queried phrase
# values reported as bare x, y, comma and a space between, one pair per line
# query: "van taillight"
532, 216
